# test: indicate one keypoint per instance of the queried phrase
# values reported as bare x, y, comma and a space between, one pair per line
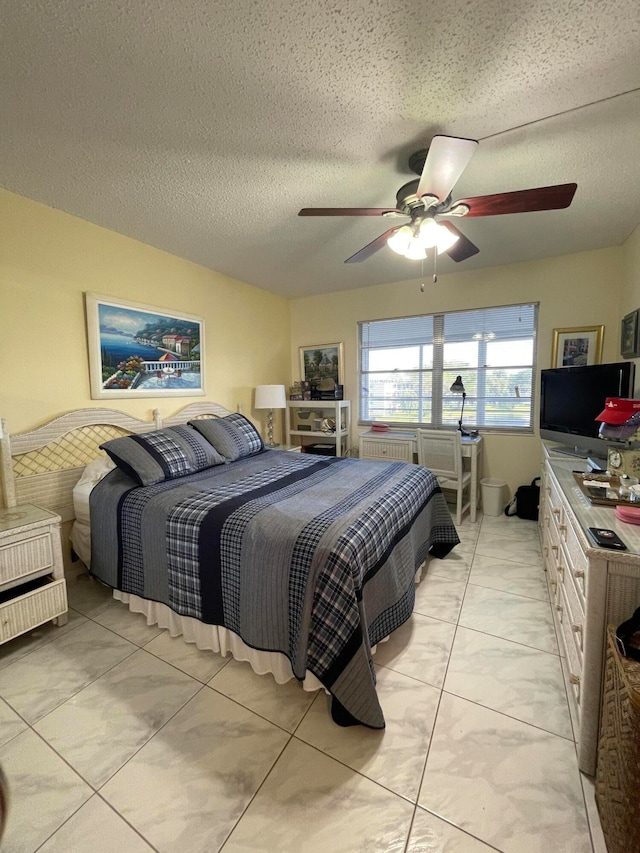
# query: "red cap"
618, 410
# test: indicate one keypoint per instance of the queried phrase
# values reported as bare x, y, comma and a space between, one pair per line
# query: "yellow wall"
49, 259
573, 290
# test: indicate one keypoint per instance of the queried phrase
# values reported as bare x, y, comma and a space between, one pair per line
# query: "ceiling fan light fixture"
400, 239
415, 250
429, 233
446, 239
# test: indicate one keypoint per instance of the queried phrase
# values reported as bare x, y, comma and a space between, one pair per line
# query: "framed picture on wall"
320, 363
629, 343
577, 347
140, 351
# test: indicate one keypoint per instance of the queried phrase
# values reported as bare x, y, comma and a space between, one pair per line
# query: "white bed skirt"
216, 639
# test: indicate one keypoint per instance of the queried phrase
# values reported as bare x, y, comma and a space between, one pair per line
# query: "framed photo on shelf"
577, 347
321, 363
629, 343
140, 351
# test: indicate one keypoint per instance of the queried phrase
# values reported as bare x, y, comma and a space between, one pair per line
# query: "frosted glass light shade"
415, 251
432, 234
270, 397
400, 239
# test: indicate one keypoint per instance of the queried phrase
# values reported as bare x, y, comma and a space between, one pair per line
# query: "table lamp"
458, 388
270, 397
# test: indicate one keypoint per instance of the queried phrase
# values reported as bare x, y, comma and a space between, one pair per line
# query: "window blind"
408, 364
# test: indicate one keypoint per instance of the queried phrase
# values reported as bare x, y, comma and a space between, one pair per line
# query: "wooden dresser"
590, 588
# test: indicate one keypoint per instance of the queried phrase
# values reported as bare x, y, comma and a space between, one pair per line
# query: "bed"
299, 564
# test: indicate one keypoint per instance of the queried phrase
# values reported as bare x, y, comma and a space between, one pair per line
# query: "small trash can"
493, 501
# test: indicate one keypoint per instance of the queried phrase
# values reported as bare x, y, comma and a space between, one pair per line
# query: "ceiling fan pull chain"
422, 276
435, 264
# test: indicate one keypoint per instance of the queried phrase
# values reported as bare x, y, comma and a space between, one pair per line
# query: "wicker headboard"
42, 466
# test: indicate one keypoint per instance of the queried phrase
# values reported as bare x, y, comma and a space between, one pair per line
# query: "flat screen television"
572, 397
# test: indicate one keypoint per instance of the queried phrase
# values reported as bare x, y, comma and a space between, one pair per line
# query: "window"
407, 367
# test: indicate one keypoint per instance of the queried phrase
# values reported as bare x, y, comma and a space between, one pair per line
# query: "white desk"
403, 445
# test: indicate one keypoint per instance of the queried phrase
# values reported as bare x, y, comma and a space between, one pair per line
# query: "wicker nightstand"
32, 585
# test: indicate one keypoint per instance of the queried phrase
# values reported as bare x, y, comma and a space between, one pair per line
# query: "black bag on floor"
525, 501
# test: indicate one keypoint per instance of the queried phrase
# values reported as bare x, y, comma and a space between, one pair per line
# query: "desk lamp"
270, 397
458, 388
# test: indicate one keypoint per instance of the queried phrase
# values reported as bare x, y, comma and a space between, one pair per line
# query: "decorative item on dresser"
590, 588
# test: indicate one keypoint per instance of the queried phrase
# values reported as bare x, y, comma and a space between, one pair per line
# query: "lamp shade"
458, 387
270, 397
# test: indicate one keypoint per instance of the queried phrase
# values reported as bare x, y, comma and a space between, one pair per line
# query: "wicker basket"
618, 769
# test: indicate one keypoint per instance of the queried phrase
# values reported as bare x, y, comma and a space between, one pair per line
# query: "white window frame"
428, 333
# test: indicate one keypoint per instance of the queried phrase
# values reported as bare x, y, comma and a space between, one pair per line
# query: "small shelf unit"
318, 411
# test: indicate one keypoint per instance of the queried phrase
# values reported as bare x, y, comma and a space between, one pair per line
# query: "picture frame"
577, 347
138, 350
321, 362
629, 335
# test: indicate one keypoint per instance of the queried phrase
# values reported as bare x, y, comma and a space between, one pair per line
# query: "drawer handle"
554, 585
562, 527
574, 679
577, 629
554, 548
579, 573
556, 510
559, 608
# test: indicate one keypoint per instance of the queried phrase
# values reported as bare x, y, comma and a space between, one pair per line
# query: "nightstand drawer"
45, 600
22, 556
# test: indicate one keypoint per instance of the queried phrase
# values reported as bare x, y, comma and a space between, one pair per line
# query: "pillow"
233, 436
96, 470
162, 455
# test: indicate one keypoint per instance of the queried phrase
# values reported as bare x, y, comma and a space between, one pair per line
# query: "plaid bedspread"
313, 557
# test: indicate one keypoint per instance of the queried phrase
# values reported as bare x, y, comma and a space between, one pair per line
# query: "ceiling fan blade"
522, 201
371, 248
447, 159
348, 211
463, 248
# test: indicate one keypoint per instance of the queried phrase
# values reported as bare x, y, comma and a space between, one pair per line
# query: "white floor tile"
505, 782
517, 680
282, 704
187, 787
395, 756
312, 803
102, 726
95, 827
44, 792
512, 617
52, 674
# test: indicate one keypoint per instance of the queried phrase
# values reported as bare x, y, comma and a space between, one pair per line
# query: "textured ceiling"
203, 126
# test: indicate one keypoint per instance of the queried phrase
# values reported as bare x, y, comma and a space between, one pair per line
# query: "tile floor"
116, 737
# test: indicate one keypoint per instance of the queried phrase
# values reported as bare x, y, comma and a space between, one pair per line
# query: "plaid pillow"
233, 436
162, 455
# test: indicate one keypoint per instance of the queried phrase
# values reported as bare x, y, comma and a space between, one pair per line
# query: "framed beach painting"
577, 347
141, 351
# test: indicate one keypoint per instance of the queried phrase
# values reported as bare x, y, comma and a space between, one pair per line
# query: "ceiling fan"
428, 199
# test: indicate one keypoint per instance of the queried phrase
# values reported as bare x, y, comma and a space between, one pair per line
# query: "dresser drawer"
574, 616
574, 660
20, 556
45, 600
577, 561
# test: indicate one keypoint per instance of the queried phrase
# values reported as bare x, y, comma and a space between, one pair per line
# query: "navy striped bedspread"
313, 557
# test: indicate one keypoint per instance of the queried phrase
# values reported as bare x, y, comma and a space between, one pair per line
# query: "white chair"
441, 452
